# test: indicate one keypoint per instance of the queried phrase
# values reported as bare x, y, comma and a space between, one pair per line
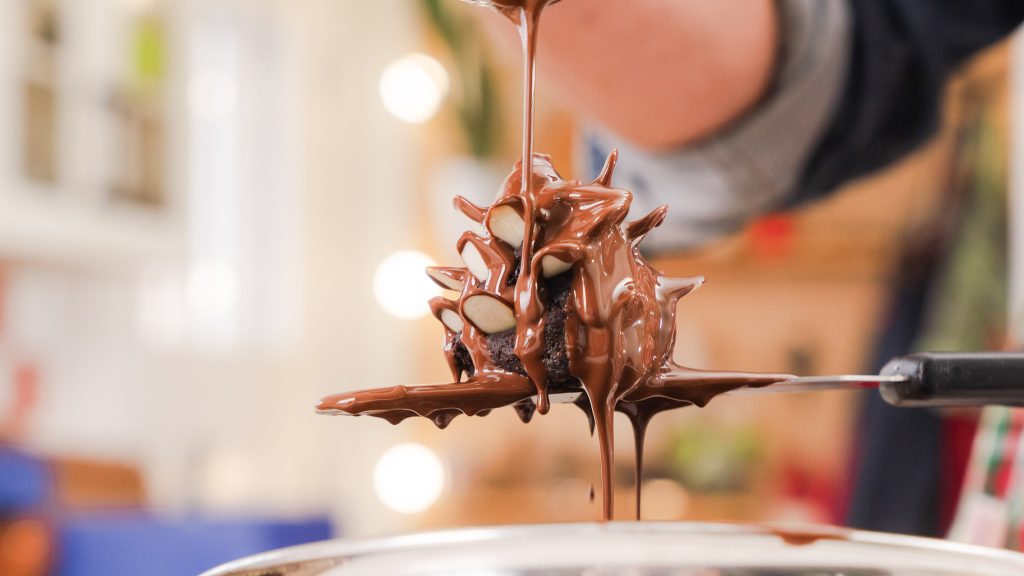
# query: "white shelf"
75, 222
55, 229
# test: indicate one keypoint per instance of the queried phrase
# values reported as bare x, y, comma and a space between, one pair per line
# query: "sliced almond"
506, 224
452, 320
489, 314
552, 266
474, 261
445, 280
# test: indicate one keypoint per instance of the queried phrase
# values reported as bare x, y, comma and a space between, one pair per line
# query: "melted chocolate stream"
639, 419
619, 314
529, 341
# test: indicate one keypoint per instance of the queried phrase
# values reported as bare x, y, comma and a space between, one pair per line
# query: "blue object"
25, 481
115, 544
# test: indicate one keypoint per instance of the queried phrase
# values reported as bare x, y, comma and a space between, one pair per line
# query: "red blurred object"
957, 441
26, 391
26, 547
772, 236
26, 382
818, 490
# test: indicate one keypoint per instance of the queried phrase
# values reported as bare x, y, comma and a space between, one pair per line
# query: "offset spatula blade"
933, 380
920, 380
818, 383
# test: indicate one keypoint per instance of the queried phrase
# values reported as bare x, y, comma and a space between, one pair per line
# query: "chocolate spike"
637, 229
469, 210
670, 290
448, 277
605, 178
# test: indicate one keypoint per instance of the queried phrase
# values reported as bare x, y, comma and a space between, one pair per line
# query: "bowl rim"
330, 553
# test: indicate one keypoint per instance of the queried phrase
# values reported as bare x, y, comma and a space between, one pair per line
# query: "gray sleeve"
715, 185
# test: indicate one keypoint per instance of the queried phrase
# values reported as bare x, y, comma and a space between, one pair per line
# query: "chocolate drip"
809, 535
639, 434
566, 304
442, 418
525, 409
583, 403
455, 352
529, 344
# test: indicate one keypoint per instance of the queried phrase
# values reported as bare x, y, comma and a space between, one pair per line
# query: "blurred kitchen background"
215, 212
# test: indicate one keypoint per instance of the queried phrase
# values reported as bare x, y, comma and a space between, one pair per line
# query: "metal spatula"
931, 379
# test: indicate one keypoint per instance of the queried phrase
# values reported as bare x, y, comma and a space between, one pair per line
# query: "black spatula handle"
956, 379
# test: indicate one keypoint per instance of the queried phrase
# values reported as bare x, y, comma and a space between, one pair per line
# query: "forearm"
716, 184
659, 73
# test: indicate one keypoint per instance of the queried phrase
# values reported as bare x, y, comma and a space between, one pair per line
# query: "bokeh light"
413, 87
408, 478
401, 285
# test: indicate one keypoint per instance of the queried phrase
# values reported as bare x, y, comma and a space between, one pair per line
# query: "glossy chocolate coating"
619, 316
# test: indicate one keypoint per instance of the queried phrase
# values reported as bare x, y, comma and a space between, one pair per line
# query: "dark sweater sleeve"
902, 53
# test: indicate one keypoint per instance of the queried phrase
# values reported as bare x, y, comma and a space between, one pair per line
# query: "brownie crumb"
463, 361
514, 275
502, 347
554, 293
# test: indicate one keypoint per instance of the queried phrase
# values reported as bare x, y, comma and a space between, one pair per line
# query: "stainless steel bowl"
632, 549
